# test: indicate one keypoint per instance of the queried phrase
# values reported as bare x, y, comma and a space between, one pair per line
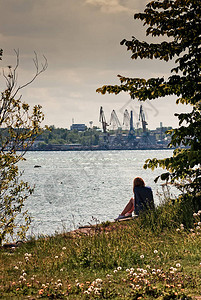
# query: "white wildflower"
64, 248
142, 256
86, 292
56, 256
155, 251
16, 267
119, 268
194, 215
27, 255
96, 292
178, 265
90, 289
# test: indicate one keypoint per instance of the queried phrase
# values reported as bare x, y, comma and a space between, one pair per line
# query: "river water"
80, 187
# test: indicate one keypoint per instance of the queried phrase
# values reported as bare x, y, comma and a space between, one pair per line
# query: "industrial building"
78, 127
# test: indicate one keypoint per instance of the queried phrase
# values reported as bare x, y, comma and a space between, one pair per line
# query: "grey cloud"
118, 6
109, 6
81, 40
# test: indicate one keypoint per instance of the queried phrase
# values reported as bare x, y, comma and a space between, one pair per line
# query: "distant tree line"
91, 136
64, 136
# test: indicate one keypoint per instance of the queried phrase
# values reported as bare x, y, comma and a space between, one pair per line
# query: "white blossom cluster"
95, 287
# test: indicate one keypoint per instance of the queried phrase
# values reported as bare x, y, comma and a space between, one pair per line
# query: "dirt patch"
104, 227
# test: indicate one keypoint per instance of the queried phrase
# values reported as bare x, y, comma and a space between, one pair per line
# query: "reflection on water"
73, 187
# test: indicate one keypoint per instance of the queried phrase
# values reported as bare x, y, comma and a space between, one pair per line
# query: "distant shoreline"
99, 149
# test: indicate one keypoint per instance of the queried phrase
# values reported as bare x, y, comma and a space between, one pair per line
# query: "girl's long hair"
138, 181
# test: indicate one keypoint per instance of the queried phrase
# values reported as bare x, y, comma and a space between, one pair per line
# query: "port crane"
145, 140
142, 119
103, 120
131, 131
126, 119
114, 121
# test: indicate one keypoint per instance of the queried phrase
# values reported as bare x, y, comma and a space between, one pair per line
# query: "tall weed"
170, 213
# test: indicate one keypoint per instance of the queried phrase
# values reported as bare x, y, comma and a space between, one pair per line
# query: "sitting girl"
142, 201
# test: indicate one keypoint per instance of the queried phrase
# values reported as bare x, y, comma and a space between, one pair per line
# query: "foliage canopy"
179, 21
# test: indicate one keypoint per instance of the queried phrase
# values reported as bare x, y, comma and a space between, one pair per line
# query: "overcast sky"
81, 41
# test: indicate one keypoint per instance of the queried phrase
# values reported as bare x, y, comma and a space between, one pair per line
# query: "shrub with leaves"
18, 129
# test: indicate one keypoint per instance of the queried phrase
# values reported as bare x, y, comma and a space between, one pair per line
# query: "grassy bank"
125, 260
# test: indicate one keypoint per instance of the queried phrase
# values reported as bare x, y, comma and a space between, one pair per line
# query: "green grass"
136, 259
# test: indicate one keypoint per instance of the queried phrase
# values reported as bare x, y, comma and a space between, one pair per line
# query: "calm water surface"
73, 188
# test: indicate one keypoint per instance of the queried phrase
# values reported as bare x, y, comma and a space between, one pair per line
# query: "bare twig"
11, 77
38, 71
